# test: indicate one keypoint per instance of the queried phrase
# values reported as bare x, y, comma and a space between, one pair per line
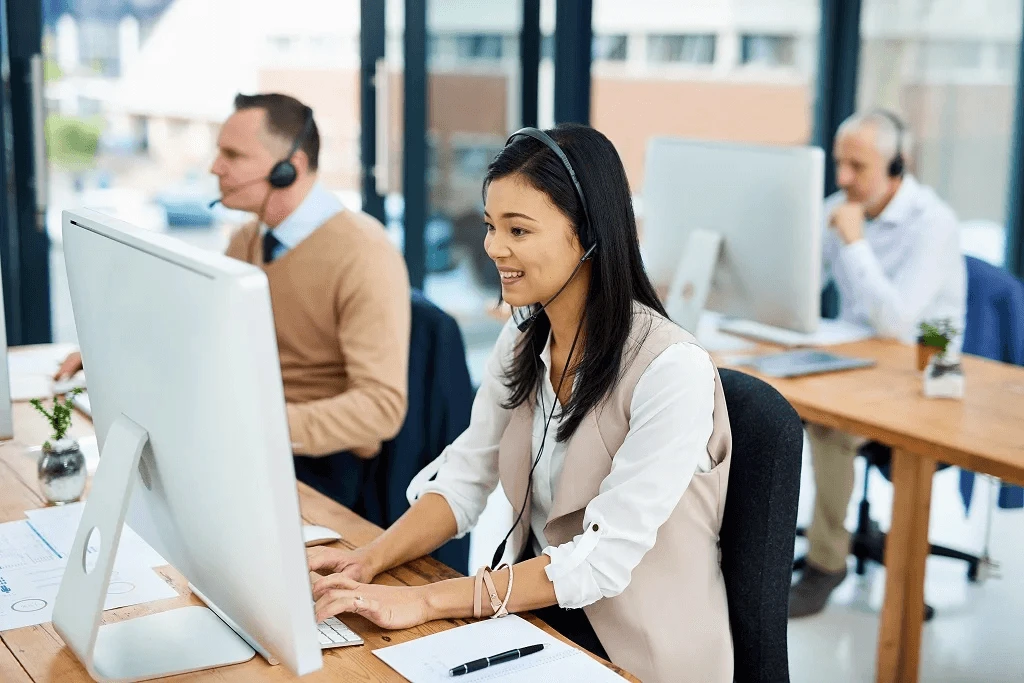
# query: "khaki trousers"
832, 454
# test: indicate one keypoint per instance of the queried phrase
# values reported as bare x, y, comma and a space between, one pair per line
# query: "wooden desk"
984, 432
36, 654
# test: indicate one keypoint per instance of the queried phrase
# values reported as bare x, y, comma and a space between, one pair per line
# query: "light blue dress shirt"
319, 205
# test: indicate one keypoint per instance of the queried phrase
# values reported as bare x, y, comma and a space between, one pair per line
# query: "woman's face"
531, 242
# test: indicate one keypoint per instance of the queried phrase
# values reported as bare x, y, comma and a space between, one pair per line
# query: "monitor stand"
691, 283
163, 644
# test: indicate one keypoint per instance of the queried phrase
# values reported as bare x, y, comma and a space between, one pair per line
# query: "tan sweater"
342, 311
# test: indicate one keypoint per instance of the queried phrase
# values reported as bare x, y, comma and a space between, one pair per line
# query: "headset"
283, 173
897, 165
548, 142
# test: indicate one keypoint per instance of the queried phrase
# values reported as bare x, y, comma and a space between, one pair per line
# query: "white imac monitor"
735, 228
188, 405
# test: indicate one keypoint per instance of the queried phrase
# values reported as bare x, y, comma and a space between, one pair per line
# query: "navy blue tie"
270, 244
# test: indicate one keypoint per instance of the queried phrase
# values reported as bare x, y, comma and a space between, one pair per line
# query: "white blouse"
670, 424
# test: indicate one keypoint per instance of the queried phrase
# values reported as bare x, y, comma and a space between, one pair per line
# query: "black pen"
478, 664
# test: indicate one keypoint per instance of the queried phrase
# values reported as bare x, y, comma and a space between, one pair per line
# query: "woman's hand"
390, 607
358, 565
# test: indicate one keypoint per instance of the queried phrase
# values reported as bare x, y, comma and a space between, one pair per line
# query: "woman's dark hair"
617, 279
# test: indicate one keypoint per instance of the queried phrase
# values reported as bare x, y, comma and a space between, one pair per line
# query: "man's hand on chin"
847, 220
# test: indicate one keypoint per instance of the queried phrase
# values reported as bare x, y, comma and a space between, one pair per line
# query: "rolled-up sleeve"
670, 425
466, 472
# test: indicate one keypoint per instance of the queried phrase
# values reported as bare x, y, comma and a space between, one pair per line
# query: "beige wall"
629, 111
334, 96
961, 132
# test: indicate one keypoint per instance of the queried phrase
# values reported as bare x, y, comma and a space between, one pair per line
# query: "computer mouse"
318, 535
61, 387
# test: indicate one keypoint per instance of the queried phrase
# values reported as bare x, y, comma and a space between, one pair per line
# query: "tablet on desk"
804, 362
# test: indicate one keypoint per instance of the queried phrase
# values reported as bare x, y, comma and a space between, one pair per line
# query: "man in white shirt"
892, 248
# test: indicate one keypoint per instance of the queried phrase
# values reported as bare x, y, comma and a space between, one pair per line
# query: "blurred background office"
116, 104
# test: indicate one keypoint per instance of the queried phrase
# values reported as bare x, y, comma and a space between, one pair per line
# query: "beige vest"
672, 621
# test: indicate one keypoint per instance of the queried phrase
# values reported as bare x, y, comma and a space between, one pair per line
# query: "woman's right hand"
358, 565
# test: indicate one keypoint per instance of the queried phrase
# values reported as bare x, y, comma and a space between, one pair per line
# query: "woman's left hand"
390, 607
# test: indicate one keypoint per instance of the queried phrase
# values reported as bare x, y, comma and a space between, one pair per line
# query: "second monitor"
736, 229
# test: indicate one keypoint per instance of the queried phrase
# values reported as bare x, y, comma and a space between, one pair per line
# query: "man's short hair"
891, 132
286, 117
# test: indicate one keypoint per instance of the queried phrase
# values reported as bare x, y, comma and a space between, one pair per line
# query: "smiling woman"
615, 543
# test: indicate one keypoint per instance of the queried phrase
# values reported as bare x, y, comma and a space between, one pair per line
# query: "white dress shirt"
669, 428
906, 269
319, 205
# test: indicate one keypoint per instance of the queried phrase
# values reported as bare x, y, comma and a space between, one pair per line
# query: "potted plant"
62, 470
934, 339
943, 375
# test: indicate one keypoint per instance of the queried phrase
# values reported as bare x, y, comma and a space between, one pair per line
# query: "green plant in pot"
943, 375
62, 470
934, 340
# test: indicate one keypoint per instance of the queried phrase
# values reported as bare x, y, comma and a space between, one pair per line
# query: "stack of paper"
429, 659
34, 553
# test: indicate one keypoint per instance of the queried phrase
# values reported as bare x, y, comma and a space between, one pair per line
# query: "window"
768, 50
282, 45
461, 48
948, 56
609, 48
685, 49
1007, 56
474, 83
950, 70
685, 78
471, 160
137, 143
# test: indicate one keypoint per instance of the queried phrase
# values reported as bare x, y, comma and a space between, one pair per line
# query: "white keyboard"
81, 401
829, 332
333, 633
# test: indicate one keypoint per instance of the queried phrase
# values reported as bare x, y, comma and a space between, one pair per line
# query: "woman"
605, 424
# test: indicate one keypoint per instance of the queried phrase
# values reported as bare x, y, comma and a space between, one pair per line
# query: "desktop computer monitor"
746, 218
188, 406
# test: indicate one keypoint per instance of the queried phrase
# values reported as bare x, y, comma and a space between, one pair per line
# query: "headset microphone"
525, 325
236, 188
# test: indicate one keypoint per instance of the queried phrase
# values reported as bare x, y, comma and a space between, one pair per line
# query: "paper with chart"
31, 568
429, 659
59, 524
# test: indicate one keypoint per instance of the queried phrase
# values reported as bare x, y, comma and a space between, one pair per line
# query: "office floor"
977, 631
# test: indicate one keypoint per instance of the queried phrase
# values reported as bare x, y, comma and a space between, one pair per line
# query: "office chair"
867, 542
994, 329
757, 527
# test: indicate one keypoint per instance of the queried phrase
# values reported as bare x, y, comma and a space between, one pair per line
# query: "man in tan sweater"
339, 290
